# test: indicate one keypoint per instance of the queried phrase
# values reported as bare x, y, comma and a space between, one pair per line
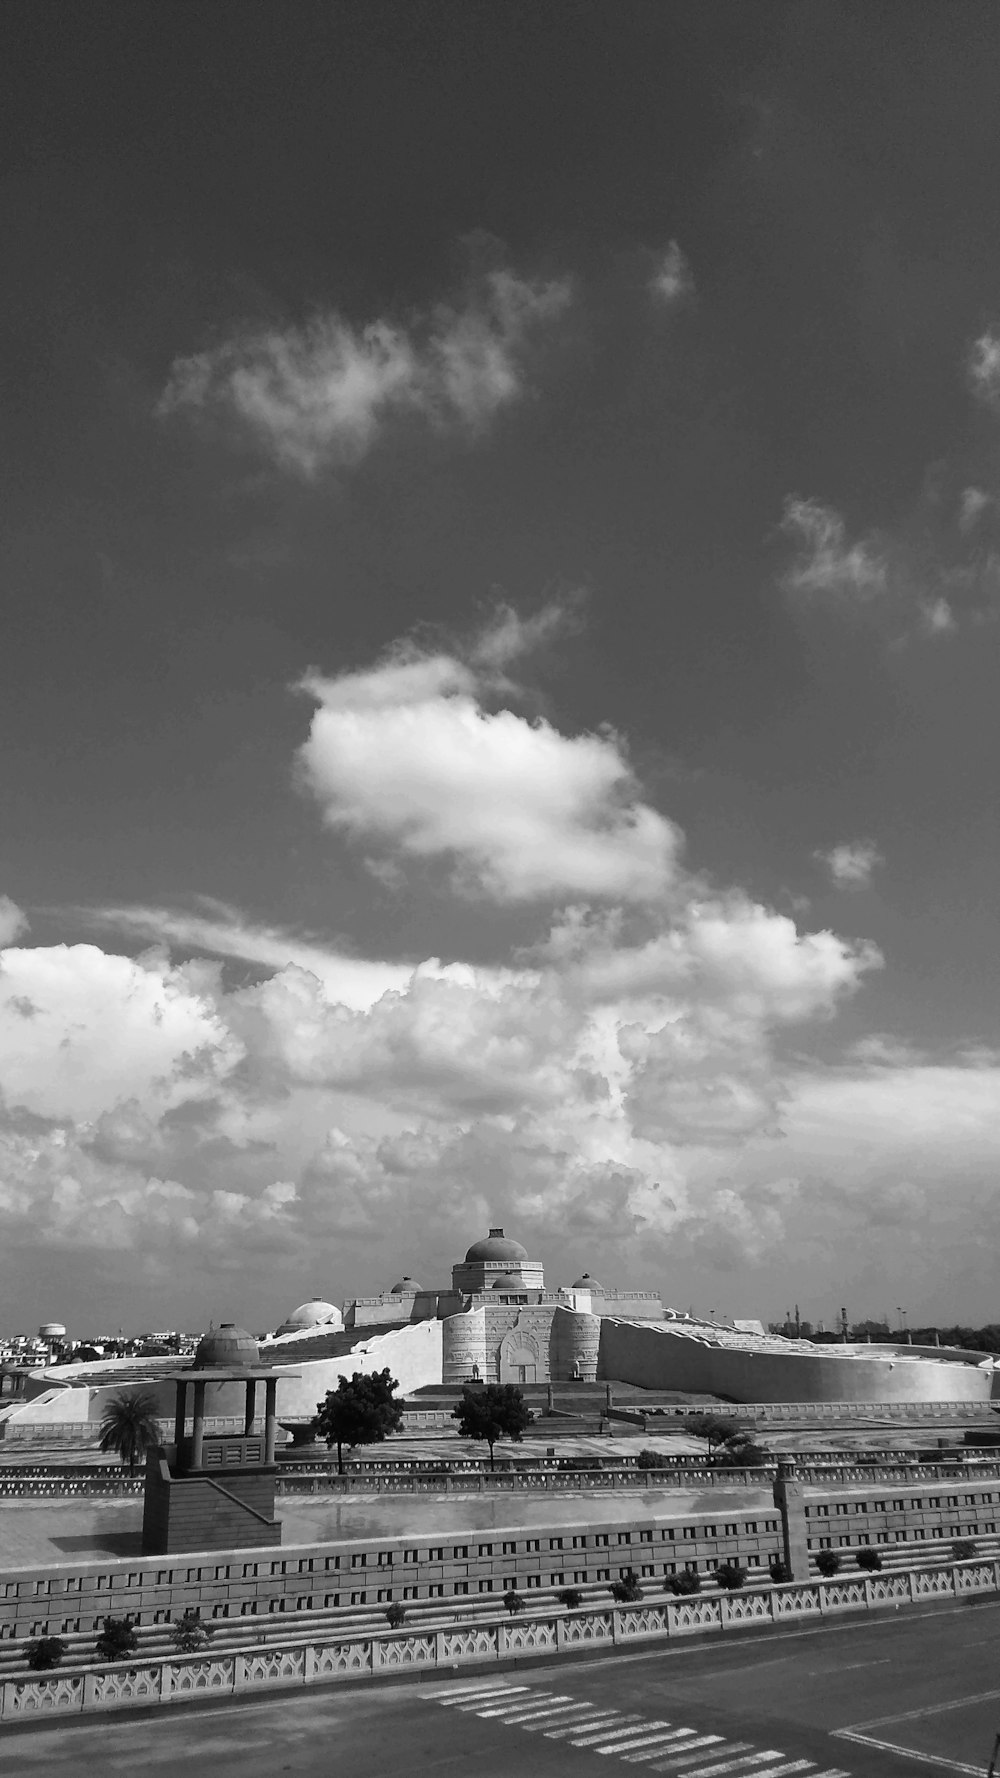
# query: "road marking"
530, 1705
878, 1722
677, 1735
731, 1763
593, 1721
639, 1737
483, 1693
530, 1719
611, 1730
799, 1765
688, 1757
925, 1759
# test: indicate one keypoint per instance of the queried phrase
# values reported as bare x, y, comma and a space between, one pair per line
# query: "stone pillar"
250, 1407
270, 1417
788, 1498
549, 1399
198, 1441
180, 1412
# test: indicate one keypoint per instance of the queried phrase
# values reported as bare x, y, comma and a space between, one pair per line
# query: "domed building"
495, 1259
315, 1313
226, 1348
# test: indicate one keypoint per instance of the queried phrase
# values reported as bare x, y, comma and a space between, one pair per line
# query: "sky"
498, 691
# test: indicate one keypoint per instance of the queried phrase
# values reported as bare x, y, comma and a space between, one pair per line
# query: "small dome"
507, 1281
226, 1348
587, 1283
406, 1287
52, 1330
315, 1313
496, 1247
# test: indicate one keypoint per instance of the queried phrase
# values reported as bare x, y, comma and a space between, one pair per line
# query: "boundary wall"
366, 1656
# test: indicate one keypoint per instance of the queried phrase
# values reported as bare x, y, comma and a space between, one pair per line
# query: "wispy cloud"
320, 394
672, 278
827, 564
983, 367
851, 864
13, 921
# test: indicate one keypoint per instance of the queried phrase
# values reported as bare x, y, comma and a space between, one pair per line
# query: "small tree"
571, 1597
778, 1569
828, 1563
491, 1412
743, 1454
45, 1653
647, 1459
963, 1549
731, 1576
395, 1614
627, 1590
514, 1601
869, 1560
129, 1427
713, 1428
688, 1581
362, 1410
190, 1635
117, 1639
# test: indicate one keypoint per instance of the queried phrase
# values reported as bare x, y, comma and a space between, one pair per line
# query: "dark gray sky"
516, 485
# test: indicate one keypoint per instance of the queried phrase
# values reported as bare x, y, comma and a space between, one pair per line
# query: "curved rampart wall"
655, 1358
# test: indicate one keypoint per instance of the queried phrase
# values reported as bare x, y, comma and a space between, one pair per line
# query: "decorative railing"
324, 1659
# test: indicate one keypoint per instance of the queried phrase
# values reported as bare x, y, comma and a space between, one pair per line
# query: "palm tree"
129, 1426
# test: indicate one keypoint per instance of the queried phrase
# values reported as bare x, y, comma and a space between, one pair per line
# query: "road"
915, 1693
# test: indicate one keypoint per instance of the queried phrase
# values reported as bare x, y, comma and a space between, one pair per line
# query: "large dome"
587, 1283
226, 1348
315, 1313
497, 1248
406, 1287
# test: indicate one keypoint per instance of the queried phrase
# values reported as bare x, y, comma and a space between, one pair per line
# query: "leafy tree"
395, 1614
713, 1428
627, 1590
45, 1653
648, 1459
731, 1576
963, 1549
129, 1427
571, 1597
514, 1601
828, 1563
491, 1412
117, 1639
361, 1410
778, 1569
743, 1454
189, 1633
688, 1581
869, 1560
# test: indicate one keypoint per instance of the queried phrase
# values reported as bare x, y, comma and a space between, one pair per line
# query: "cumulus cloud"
672, 278
851, 864
974, 502
827, 564
983, 367
13, 922
320, 394
407, 755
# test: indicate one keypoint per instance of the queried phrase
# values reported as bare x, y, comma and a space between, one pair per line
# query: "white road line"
485, 1692
531, 1719
924, 1759
540, 1701
609, 1733
676, 1735
797, 1765
595, 1721
687, 1757
638, 1738
741, 1755
880, 1722
831, 1772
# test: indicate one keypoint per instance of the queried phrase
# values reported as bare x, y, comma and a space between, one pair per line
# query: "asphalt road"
911, 1694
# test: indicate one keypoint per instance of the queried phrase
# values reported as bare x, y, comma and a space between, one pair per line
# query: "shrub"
688, 1581
514, 1601
189, 1633
117, 1639
627, 1590
828, 1563
45, 1653
869, 1560
649, 1460
779, 1569
963, 1549
571, 1597
395, 1614
730, 1576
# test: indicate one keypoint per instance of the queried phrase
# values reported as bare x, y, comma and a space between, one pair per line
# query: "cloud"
827, 565
974, 502
851, 864
13, 921
405, 755
672, 278
983, 367
319, 395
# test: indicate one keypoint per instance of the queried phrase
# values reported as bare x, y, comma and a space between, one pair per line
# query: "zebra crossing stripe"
485, 1692
746, 1764
683, 1736
637, 1737
797, 1765
600, 1720
571, 1719
537, 1718
539, 1702
687, 1756
612, 1731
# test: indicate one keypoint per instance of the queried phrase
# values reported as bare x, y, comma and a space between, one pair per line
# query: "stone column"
788, 1498
270, 1417
180, 1413
198, 1441
250, 1407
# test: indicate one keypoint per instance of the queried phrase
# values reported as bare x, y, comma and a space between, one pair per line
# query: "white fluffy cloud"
13, 922
320, 394
407, 756
852, 864
827, 564
672, 278
983, 366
